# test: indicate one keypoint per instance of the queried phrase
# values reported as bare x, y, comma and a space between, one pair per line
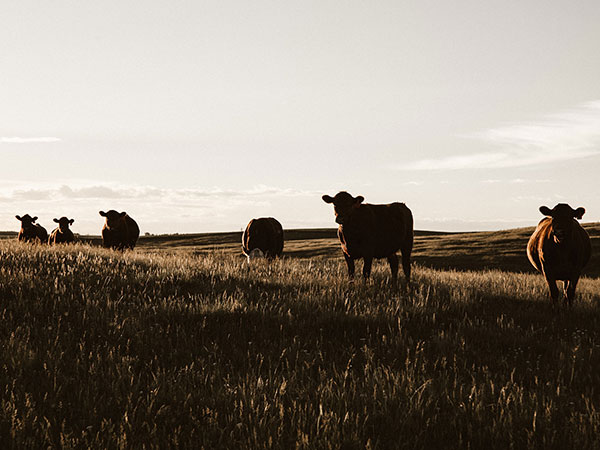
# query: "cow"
560, 248
31, 231
262, 237
62, 234
373, 231
120, 231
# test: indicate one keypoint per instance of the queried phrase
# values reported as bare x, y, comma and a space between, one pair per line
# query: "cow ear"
18, 217
34, 218
546, 211
56, 220
102, 213
123, 214
71, 221
579, 212
327, 199
359, 199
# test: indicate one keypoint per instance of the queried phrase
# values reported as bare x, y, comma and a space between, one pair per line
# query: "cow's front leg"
570, 287
552, 286
367, 267
350, 264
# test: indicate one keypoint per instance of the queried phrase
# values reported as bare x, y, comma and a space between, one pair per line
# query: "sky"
196, 116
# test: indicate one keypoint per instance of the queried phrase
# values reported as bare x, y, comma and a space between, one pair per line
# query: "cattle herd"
119, 232
559, 247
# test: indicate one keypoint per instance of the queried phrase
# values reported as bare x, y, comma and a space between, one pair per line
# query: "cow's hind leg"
368, 262
393, 260
570, 287
406, 252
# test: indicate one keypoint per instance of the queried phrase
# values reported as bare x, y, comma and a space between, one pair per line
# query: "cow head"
113, 218
562, 220
344, 205
255, 254
27, 221
63, 223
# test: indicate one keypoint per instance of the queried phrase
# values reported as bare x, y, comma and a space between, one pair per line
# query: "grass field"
182, 344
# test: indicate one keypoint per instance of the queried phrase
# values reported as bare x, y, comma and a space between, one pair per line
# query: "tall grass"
102, 349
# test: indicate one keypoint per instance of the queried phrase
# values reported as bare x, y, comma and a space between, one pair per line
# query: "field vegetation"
182, 344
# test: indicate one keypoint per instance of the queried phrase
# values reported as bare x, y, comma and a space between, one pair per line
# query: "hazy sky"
197, 116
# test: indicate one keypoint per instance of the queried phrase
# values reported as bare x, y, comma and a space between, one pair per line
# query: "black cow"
31, 231
560, 248
373, 231
62, 234
263, 236
120, 231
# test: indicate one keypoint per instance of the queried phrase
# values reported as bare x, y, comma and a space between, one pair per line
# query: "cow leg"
350, 264
406, 251
393, 260
367, 267
570, 287
552, 286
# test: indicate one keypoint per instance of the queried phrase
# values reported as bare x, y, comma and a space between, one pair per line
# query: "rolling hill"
501, 250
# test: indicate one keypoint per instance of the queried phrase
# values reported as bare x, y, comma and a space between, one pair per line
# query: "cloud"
30, 194
514, 181
31, 140
564, 136
157, 209
462, 224
142, 193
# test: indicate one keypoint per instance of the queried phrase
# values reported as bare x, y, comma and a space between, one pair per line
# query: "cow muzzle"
255, 254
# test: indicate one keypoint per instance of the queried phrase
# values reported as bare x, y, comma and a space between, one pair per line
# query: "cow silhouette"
560, 248
262, 237
373, 231
31, 231
62, 234
120, 231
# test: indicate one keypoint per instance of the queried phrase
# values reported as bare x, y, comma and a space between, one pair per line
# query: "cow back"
266, 234
35, 232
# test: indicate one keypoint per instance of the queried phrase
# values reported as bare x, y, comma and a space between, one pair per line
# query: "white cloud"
30, 140
564, 136
462, 224
101, 191
514, 181
156, 209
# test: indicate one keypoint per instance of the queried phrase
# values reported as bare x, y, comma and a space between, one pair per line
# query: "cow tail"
245, 241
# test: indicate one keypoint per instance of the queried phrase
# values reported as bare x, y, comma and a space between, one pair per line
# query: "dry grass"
157, 348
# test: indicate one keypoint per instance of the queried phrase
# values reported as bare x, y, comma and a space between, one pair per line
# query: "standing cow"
560, 248
120, 231
62, 234
263, 236
373, 231
31, 231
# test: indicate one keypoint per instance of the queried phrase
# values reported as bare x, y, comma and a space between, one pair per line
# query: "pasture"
181, 344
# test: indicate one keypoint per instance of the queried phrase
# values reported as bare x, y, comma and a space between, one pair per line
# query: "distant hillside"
504, 250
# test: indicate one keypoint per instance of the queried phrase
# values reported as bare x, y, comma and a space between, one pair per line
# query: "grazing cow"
120, 231
560, 248
373, 231
31, 231
62, 234
262, 237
